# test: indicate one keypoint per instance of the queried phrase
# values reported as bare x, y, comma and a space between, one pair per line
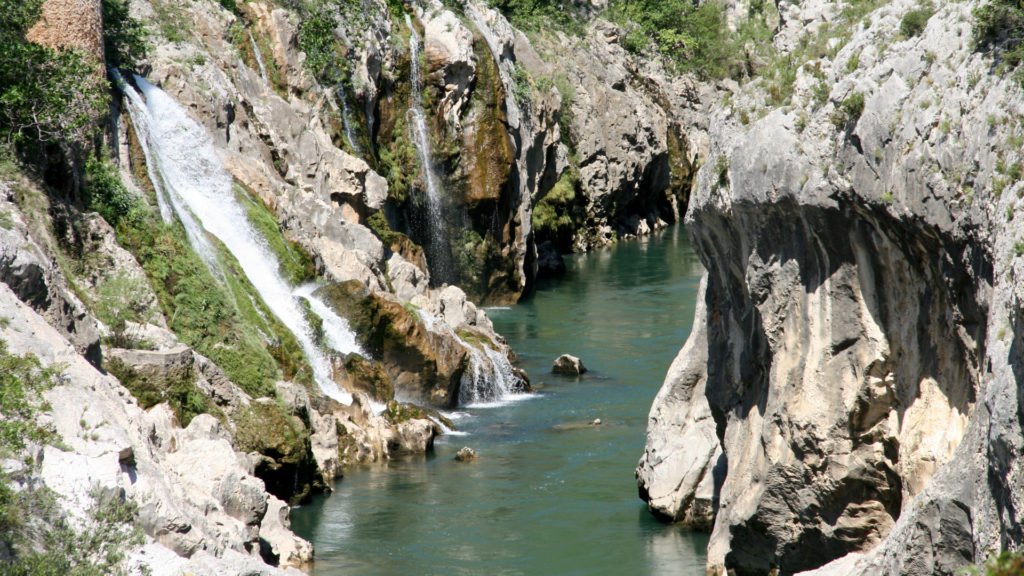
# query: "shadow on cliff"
794, 287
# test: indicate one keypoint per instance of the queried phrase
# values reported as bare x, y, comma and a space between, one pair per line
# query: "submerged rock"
567, 365
466, 454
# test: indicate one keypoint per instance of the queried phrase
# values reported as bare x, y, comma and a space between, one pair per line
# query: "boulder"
568, 365
466, 454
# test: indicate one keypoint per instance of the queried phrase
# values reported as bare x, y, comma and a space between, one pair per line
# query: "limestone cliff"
856, 343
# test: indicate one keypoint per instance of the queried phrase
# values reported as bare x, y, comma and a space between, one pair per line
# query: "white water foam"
340, 336
197, 184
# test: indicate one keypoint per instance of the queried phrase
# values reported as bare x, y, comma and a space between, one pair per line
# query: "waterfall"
339, 336
511, 105
168, 204
193, 177
489, 378
259, 58
346, 119
439, 249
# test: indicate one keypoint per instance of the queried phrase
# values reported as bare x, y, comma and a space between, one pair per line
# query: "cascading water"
339, 335
259, 59
346, 119
197, 184
489, 378
168, 204
511, 105
439, 249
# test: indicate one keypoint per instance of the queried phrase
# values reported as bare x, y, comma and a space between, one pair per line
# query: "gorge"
268, 266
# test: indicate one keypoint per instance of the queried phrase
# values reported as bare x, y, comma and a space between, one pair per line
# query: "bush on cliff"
47, 96
999, 27
125, 40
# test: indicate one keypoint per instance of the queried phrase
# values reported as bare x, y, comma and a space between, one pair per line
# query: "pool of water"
549, 494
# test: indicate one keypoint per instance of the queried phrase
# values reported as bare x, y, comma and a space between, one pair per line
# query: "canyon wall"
857, 340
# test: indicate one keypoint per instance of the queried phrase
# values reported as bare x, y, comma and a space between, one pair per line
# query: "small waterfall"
489, 378
197, 183
259, 59
439, 249
339, 336
346, 119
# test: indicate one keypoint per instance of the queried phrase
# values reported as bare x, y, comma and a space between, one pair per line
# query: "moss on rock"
370, 377
419, 362
282, 439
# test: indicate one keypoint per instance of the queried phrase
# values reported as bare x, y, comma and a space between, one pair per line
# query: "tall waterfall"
168, 203
346, 119
193, 178
511, 105
439, 249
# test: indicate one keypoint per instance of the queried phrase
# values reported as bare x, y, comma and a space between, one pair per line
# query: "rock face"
194, 492
567, 365
28, 268
856, 343
675, 475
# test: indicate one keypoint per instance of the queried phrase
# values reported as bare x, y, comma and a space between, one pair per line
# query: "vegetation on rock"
177, 389
41, 540
999, 26
47, 96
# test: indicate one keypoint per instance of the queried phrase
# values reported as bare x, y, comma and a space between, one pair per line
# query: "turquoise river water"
549, 495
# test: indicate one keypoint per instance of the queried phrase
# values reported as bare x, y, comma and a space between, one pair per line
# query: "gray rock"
859, 318
675, 475
567, 365
275, 534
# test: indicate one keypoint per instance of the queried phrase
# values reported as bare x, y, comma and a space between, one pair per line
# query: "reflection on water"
551, 493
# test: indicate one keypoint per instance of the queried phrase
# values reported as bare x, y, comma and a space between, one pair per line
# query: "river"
549, 493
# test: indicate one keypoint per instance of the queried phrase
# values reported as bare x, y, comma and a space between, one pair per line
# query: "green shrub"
915, 21
23, 379
125, 40
694, 37
121, 299
999, 27
267, 427
849, 111
177, 389
1006, 563
553, 214
316, 39
853, 106
538, 15
106, 194
46, 95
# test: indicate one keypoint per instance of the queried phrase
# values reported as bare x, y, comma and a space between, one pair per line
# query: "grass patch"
296, 264
915, 21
